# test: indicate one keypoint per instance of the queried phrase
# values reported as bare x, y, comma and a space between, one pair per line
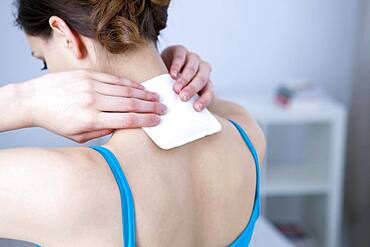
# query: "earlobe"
77, 45
68, 43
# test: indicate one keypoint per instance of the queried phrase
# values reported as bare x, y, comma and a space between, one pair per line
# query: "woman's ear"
70, 38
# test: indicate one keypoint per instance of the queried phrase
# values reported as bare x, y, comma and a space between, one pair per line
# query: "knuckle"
88, 99
175, 66
191, 89
130, 120
192, 69
128, 91
89, 121
133, 104
203, 79
178, 60
148, 95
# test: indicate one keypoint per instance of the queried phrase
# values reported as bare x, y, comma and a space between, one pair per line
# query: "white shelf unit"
302, 174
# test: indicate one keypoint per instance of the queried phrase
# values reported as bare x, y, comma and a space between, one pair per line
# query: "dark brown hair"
118, 25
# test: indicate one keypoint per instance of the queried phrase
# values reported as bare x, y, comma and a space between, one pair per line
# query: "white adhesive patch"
181, 124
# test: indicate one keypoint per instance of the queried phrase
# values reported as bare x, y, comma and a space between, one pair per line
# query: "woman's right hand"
83, 105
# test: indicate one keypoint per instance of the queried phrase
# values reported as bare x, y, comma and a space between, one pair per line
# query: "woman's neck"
139, 65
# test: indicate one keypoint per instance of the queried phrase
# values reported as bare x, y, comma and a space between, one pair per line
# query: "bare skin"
200, 194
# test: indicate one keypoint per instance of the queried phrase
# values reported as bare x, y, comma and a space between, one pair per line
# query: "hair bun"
160, 2
122, 24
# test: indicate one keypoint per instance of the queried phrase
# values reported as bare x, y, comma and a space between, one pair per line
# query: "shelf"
266, 234
307, 243
266, 111
304, 163
294, 180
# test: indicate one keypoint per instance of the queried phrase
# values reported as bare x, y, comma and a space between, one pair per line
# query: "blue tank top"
127, 201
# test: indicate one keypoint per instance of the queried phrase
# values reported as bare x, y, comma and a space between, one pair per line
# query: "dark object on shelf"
299, 94
291, 230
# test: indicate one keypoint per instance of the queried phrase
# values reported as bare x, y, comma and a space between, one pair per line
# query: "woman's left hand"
192, 75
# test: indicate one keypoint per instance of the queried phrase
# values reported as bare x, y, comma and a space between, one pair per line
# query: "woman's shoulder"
41, 157
251, 127
61, 167
58, 185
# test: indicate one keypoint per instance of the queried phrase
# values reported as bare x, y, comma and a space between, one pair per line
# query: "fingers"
189, 71
179, 59
116, 120
84, 137
206, 97
119, 104
123, 91
197, 82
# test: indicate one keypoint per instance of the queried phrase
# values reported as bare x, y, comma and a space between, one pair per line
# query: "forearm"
13, 114
225, 108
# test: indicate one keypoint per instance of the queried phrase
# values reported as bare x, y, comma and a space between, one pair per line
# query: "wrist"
23, 94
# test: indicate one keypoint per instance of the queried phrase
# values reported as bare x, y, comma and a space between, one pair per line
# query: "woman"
204, 193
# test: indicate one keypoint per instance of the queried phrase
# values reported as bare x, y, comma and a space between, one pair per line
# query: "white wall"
251, 44
16, 62
255, 44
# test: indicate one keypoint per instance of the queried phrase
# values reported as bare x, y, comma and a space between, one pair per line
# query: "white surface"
263, 108
181, 124
266, 235
295, 180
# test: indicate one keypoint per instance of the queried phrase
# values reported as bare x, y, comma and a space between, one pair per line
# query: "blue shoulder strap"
128, 209
245, 237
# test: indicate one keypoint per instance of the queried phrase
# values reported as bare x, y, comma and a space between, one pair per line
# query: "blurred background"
302, 68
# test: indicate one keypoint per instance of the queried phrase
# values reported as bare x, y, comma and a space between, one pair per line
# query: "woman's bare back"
200, 194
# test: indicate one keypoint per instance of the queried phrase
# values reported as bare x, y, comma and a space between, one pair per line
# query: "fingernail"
141, 86
163, 108
198, 106
184, 95
174, 74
